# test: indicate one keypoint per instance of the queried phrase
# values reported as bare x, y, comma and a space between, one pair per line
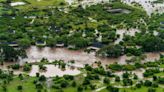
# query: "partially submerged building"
96, 46
40, 43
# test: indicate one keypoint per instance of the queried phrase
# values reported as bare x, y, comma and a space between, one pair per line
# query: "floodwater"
52, 70
148, 5
35, 54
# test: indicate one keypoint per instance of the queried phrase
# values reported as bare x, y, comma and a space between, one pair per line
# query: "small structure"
162, 28
13, 44
40, 43
71, 47
54, 28
12, 31
119, 10
95, 46
60, 44
162, 23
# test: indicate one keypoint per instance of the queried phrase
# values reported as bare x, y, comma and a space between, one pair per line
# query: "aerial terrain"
81, 45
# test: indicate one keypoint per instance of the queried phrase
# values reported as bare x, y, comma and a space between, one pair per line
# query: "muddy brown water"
35, 54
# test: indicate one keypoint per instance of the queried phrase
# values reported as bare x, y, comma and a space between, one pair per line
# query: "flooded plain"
35, 54
52, 70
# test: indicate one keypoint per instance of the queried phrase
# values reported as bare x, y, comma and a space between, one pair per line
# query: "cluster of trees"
128, 67
56, 27
111, 51
8, 53
150, 72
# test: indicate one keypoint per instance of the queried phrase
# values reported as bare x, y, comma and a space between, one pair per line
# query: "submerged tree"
8, 53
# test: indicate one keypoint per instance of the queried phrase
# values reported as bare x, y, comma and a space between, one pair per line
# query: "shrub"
161, 80
151, 90
19, 87
112, 89
106, 80
64, 84
117, 79
147, 83
15, 66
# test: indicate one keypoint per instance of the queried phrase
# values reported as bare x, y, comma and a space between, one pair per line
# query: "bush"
151, 90
42, 78
161, 80
86, 81
150, 72
127, 82
135, 77
64, 84
26, 67
79, 88
138, 85
19, 87
68, 77
155, 85
147, 83
92, 86
106, 80
39, 86
117, 79
115, 67
129, 67
15, 66
74, 84
125, 75
112, 89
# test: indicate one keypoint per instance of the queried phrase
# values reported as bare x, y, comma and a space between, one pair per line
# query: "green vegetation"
90, 80
54, 23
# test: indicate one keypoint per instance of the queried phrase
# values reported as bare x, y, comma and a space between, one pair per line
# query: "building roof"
162, 22
97, 45
40, 42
